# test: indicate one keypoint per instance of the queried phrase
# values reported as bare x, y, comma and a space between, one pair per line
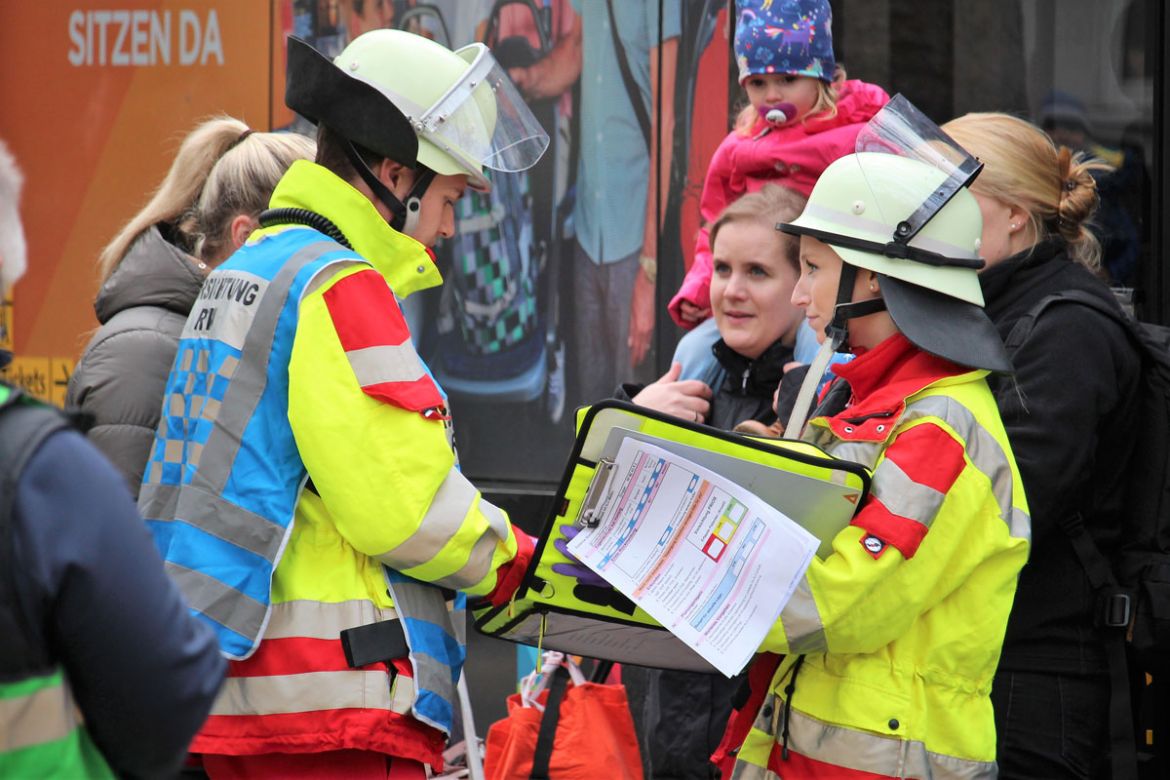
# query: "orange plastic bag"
594, 736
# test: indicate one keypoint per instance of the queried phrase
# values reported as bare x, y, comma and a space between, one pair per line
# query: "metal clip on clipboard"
590, 516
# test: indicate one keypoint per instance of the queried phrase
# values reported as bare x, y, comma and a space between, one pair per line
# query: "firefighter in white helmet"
890, 642
303, 485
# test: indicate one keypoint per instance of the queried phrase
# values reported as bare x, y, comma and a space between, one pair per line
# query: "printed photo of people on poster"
551, 288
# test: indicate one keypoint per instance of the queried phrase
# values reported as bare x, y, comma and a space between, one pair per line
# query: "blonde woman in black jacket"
220, 181
681, 715
1071, 416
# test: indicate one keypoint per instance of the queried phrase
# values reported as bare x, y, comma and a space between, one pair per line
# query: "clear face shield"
901, 129
482, 120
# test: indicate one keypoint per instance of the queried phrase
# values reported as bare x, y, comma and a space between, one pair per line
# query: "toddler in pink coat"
801, 115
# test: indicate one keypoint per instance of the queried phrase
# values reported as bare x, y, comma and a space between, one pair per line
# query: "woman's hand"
688, 400
689, 312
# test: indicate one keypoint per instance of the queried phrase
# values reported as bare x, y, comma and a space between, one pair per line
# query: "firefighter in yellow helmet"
303, 485
890, 642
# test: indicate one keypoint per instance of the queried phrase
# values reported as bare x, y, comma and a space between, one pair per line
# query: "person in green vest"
102, 671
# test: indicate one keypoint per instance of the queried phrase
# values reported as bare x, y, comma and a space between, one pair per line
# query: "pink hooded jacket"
791, 156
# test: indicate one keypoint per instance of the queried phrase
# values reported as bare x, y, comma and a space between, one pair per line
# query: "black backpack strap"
1114, 604
542, 756
632, 90
1023, 327
1114, 609
24, 425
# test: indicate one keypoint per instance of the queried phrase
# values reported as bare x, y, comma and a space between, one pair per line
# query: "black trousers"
1051, 726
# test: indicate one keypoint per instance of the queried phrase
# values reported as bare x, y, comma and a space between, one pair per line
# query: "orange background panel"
95, 139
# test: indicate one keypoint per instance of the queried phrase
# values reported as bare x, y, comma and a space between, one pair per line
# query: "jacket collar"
752, 377
882, 379
405, 263
153, 272
997, 279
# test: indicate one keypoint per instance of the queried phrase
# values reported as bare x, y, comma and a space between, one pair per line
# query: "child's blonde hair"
1023, 168
749, 120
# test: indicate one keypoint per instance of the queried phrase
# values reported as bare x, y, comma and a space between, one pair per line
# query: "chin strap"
836, 336
403, 216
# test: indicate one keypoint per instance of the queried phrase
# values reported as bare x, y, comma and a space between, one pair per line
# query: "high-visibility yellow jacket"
371, 429
891, 641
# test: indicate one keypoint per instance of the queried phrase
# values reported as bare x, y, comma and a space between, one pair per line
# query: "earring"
1013, 226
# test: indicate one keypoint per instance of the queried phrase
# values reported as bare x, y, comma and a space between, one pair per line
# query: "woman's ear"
1018, 219
874, 283
242, 227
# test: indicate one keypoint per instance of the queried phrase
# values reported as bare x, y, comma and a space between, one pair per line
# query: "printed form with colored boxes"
703, 535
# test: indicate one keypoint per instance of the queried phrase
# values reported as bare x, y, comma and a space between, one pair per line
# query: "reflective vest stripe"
443, 521
803, 628
321, 620
273, 695
429, 639
34, 712
984, 452
234, 611
41, 734
213, 515
250, 378
221, 546
863, 751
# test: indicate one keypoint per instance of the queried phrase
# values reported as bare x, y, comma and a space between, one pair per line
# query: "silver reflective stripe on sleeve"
444, 517
983, 452
803, 628
479, 563
904, 497
376, 365
442, 520
864, 452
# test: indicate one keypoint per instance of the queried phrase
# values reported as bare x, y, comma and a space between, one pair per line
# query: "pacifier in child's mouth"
777, 113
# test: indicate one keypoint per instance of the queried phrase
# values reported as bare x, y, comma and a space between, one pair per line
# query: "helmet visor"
482, 121
901, 129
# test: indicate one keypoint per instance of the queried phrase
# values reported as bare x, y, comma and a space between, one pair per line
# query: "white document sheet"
704, 557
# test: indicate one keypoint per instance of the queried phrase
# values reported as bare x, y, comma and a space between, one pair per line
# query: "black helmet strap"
847, 309
403, 216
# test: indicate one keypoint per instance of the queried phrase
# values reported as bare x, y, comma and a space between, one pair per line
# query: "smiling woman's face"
751, 285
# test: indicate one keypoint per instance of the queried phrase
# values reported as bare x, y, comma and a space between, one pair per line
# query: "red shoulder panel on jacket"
365, 312
376, 340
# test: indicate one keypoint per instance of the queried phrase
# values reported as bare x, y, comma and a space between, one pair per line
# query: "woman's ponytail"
174, 200
1078, 202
